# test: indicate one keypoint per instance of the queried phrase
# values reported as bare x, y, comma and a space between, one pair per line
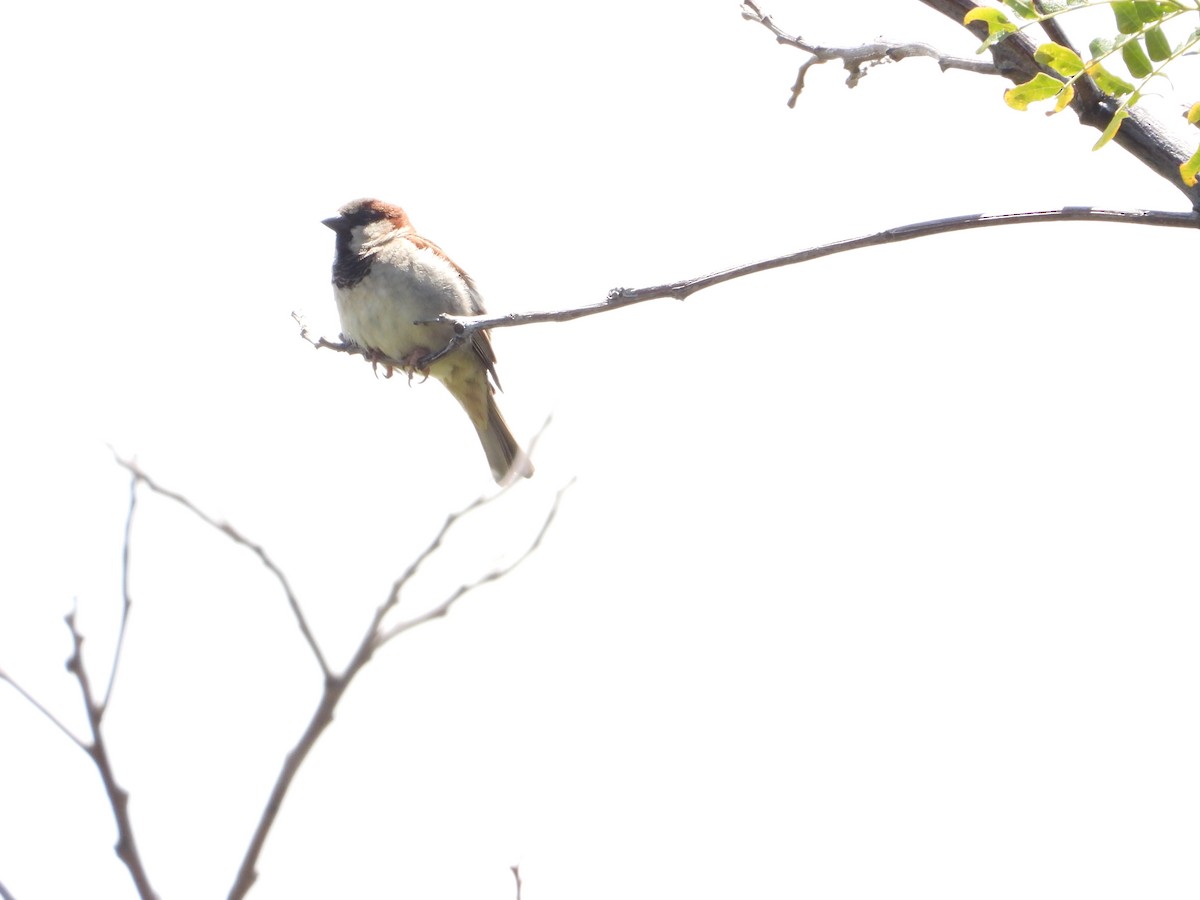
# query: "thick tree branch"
1148, 139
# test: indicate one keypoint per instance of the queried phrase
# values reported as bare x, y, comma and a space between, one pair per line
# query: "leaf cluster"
1141, 43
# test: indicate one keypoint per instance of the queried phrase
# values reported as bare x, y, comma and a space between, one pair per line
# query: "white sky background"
879, 577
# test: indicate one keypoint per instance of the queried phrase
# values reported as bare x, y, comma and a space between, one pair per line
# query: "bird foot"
416, 361
378, 359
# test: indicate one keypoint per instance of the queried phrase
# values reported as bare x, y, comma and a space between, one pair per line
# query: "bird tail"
504, 455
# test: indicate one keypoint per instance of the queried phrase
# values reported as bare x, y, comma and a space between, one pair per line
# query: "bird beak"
334, 222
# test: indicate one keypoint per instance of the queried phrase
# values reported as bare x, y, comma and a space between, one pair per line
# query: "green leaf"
1135, 59
1040, 87
1022, 9
998, 25
1193, 114
1128, 21
1157, 44
1148, 12
1108, 82
1190, 169
1118, 117
1101, 47
1061, 59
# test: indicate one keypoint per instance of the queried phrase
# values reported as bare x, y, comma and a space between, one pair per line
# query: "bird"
389, 282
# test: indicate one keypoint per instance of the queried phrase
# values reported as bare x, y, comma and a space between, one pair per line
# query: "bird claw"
377, 359
415, 362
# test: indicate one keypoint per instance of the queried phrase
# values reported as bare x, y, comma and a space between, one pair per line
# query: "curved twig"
126, 599
236, 536
466, 326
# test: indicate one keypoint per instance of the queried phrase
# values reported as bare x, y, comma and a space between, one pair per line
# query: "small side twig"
40, 707
516, 870
860, 59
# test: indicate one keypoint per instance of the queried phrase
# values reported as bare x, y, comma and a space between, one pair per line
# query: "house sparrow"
386, 278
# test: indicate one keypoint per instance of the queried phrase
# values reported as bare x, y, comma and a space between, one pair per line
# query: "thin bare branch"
234, 535
4, 894
466, 326
860, 59
126, 599
319, 343
320, 720
33, 701
516, 870
336, 685
444, 607
118, 797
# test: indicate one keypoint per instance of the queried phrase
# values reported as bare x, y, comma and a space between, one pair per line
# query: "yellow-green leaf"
1061, 59
1040, 87
1065, 98
1190, 169
1193, 114
1108, 82
1128, 21
1118, 117
1157, 44
1022, 9
1135, 59
998, 25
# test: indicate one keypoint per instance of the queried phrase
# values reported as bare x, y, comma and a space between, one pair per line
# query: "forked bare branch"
95, 708
373, 638
859, 59
335, 684
234, 535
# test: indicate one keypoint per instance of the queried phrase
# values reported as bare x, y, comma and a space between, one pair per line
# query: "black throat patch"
349, 268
